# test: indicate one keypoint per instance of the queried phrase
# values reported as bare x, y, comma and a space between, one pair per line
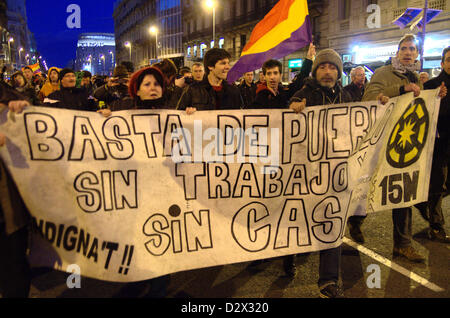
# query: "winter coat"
47, 89
444, 112
71, 98
355, 92
112, 94
202, 96
266, 99
248, 93
315, 94
130, 103
388, 81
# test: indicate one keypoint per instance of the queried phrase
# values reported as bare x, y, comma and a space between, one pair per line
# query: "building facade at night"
134, 41
361, 31
96, 53
234, 22
360, 42
18, 47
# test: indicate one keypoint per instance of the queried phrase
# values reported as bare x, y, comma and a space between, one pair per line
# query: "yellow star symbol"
406, 134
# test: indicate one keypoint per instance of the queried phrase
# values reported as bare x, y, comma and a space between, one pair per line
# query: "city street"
397, 279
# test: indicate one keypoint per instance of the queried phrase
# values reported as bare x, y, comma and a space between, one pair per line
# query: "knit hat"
120, 71
65, 71
327, 56
138, 77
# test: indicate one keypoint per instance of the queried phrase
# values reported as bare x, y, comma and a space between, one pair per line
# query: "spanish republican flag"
285, 29
35, 67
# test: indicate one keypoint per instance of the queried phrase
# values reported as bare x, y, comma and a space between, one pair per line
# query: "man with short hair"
393, 80
356, 87
271, 93
86, 82
198, 71
69, 96
213, 92
248, 89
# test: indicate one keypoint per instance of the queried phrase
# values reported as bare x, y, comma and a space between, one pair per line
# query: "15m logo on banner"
409, 135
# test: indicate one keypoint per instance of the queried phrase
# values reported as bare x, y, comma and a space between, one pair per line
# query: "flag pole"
422, 35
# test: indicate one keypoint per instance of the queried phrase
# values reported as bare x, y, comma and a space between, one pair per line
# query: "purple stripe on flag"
299, 38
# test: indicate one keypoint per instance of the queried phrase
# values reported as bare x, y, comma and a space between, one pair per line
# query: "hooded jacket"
49, 87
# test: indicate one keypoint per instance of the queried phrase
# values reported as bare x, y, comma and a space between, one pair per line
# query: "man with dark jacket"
356, 87
323, 88
439, 168
271, 93
69, 96
248, 89
213, 92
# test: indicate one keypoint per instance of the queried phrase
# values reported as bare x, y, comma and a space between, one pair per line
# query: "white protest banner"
145, 193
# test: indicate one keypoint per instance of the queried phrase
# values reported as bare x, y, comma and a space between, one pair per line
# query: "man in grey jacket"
393, 80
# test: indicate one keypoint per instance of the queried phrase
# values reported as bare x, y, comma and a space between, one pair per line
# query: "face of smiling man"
220, 70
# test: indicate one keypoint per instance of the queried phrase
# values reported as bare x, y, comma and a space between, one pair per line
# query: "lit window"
221, 42
189, 51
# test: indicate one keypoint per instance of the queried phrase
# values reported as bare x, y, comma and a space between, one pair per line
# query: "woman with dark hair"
19, 83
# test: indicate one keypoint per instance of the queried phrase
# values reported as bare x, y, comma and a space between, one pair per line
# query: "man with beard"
51, 85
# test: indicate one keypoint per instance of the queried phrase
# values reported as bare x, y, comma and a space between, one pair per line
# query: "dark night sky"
55, 41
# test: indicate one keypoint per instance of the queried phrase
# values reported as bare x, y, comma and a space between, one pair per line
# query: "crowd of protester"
204, 87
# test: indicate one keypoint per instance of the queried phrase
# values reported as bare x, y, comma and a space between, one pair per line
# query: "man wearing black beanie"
69, 96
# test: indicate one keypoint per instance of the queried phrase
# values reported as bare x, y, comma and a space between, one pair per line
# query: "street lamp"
128, 45
20, 58
154, 30
212, 4
112, 58
9, 47
102, 57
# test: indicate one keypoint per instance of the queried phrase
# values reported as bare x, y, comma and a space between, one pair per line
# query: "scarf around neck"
399, 67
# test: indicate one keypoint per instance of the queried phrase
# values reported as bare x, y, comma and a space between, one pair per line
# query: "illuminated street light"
20, 58
102, 57
112, 58
154, 30
211, 4
128, 45
9, 47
